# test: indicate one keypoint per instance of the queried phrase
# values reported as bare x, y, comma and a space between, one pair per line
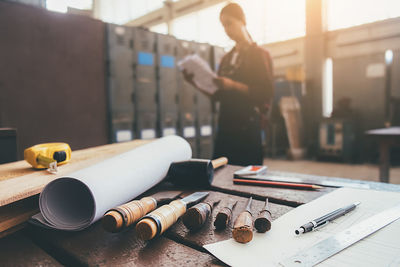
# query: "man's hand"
188, 77
227, 84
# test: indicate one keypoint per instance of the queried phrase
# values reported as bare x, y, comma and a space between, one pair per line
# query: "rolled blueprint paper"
75, 202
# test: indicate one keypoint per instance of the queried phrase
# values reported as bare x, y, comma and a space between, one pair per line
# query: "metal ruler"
336, 243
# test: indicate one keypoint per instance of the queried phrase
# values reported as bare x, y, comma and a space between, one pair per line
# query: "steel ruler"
336, 243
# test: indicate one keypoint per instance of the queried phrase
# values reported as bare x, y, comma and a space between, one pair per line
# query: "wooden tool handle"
196, 216
223, 218
125, 215
243, 228
263, 221
160, 220
219, 162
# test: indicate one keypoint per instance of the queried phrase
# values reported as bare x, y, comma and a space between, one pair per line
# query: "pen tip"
299, 231
357, 203
317, 187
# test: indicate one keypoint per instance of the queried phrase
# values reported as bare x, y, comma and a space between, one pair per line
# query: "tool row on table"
152, 218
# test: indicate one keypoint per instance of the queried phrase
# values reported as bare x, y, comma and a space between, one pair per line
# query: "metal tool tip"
299, 231
317, 187
357, 203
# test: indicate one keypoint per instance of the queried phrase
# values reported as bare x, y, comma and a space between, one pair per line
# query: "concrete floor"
368, 172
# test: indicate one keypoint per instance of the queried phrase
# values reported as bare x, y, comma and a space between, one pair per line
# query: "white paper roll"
76, 201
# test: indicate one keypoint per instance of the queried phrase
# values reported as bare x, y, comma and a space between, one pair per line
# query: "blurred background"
93, 72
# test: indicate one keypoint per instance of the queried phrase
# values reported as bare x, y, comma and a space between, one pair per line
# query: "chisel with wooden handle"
243, 226
127, 214
159, 220
123, 216
263, 220
196, 216
224, 216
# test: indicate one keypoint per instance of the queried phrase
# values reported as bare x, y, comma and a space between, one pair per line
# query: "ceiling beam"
172, 10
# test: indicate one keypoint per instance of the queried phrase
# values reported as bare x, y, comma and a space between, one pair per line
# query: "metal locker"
167, 79
187, 101
120, 82
217, 53
205, 129
145, 97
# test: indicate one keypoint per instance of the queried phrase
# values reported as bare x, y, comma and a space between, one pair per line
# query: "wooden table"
176, 247
387, 137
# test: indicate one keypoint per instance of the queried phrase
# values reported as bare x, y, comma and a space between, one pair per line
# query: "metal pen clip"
317, 227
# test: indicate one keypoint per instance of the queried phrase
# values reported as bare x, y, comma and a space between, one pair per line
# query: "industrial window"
202, 26
275, 20
345, 13
327, 91
122, 11
62, 6
160, 28
267, 21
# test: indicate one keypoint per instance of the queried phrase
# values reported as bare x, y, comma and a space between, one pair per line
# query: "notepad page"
380, 249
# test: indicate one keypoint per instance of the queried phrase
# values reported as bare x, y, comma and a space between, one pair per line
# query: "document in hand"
80, 199
203, 75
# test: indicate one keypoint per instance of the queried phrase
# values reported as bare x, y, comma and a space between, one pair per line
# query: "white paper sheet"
203, 75
76, 201
380, 249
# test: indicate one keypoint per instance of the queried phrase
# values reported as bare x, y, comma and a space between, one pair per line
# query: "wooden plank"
17, 250
13, 229
223, 182
207, 234
17, 213
95, 247
18, 180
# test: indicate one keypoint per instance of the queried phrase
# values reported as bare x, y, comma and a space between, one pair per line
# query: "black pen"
321, 221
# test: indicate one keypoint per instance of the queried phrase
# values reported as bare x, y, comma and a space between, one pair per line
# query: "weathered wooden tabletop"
176, 247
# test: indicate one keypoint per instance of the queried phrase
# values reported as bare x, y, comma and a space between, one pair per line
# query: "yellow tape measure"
48, 155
